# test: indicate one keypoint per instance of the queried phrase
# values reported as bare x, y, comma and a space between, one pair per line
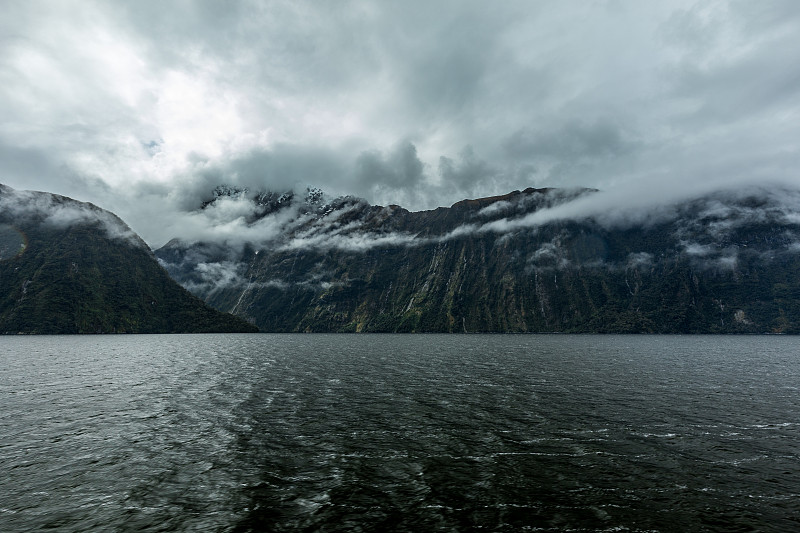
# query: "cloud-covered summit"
52, 210
144, 107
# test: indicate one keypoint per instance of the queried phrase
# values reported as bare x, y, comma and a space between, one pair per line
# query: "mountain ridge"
538, 260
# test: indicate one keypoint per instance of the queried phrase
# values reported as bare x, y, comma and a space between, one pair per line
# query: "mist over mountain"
71, 267
537, 260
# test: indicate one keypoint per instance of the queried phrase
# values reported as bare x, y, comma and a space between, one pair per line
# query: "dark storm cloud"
281, 168
467, 171
601, 138
400, 168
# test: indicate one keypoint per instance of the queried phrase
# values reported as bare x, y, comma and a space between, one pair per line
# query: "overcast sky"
142, 107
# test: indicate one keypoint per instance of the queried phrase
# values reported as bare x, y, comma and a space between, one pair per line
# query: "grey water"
399, 433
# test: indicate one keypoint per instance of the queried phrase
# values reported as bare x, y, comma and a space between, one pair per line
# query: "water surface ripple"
242, 433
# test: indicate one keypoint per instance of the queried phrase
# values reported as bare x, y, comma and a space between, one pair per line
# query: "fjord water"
399, 433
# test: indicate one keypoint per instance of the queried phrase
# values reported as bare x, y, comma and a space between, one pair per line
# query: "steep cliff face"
71, 267
721, 263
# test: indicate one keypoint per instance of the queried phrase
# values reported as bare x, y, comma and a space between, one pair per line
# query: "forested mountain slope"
539, 260
71, 267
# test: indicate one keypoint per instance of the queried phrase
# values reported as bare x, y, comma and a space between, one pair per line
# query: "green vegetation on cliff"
716, 265
70, 267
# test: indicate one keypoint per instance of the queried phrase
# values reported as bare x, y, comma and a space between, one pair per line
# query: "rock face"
71, 267
538, 260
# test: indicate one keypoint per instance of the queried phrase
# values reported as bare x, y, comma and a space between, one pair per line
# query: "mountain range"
537, 260
71, 267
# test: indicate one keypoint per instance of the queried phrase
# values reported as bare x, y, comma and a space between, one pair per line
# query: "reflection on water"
399, 433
